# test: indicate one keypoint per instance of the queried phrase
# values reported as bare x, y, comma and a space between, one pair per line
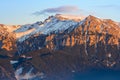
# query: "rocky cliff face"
7, 41
67, 45
90, 32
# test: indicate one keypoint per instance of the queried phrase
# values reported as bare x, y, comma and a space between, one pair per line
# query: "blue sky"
30, 11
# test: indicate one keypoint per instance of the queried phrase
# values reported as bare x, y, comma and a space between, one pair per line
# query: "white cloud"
61, 9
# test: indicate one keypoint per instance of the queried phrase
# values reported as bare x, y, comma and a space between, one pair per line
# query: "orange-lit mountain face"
66, 43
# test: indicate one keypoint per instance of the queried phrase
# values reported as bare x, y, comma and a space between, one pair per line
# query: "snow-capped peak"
54, 24
26, 27
50, 25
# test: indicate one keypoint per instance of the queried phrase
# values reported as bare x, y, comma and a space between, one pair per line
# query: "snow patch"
18, 72
20, 34
28, 75
13, 62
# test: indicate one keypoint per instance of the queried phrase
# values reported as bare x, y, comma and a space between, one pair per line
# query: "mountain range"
57, 47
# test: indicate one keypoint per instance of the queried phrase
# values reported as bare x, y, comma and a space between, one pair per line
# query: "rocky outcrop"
5, 75
7, 42
31, 44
